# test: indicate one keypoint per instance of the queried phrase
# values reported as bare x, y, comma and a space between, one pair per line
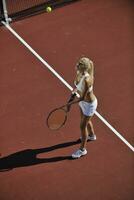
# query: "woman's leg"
84, 131
90, 128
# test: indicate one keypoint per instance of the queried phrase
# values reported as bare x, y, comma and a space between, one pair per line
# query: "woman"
88, 103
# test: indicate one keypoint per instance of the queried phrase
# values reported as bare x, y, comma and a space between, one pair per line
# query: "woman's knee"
83, 126
84, 122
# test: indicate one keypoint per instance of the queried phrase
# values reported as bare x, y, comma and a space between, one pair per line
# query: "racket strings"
56, 119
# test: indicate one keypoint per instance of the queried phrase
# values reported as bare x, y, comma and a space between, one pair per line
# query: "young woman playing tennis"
88, 102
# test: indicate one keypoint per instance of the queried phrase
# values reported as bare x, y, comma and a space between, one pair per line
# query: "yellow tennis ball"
48, 9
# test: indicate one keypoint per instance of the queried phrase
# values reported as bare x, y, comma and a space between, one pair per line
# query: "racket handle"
72, 97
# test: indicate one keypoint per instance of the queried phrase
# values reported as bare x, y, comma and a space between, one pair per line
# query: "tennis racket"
58, 116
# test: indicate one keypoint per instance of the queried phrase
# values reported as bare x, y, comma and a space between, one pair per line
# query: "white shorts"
88, 109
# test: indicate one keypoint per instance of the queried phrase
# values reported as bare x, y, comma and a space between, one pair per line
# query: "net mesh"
22, 8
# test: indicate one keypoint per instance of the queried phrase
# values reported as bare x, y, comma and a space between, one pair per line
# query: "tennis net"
18, 9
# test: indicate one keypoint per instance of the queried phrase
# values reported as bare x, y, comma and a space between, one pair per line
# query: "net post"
5, 12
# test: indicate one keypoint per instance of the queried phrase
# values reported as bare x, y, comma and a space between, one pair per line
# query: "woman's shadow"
28, 157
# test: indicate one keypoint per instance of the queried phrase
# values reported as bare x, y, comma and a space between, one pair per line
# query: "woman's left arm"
88, 84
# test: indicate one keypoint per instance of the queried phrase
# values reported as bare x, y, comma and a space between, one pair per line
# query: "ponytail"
91, 69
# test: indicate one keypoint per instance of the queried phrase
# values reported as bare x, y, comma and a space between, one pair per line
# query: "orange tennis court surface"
35, 162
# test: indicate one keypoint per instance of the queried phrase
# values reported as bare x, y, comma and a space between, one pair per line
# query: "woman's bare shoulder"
89, 80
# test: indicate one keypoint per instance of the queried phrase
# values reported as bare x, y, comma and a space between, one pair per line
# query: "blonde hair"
87, 65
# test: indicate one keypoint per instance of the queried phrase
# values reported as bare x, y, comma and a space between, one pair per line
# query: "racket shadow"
28, 157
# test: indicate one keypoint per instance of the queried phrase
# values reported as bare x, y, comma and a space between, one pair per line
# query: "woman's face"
79, 67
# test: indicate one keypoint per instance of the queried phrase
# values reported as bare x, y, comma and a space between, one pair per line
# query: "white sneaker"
90, 138
79, 153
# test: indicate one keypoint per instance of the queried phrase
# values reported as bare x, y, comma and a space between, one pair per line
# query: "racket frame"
65, 109
65, 118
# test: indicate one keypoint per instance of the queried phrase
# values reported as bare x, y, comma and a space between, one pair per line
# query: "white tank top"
80, 85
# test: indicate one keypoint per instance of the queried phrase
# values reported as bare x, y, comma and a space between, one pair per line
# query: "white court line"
64, 82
